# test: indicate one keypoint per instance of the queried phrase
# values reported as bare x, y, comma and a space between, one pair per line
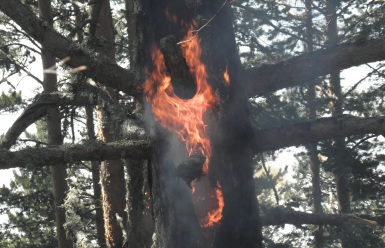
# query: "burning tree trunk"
223, 135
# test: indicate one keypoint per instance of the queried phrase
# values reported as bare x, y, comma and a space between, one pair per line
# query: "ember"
185, 116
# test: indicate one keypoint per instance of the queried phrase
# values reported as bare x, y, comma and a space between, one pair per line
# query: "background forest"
318, 88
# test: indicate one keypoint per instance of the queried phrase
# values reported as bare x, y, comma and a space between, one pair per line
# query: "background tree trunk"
312, 148
340, 171
95, 169
59, 172
112, 171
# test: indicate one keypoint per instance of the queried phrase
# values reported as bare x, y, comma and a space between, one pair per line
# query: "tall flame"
185, 117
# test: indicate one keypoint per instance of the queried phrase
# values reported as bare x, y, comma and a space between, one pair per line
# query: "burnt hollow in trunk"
182, 81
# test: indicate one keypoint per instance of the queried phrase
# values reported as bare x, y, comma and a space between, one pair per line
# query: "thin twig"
205, 25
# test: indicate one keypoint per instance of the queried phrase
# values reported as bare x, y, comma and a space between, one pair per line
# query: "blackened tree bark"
140, 221
59, 172
231, 163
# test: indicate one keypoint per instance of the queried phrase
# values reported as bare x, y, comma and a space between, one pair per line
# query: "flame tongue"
185, 117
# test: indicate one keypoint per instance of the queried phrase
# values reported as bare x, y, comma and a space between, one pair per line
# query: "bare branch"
279, 216
206, 24
301, 69
59, 154
321, 129
89, 96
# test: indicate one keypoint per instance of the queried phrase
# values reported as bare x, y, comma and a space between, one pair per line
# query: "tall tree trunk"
231, 162
95, 166
95, 169
112, 171
59, 172
140, 219
312, 148
340, 171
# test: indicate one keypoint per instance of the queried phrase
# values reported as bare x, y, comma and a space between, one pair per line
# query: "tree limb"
303, 68
68, 153
39, 108
280, 215
99, 67
321, 129
259, 80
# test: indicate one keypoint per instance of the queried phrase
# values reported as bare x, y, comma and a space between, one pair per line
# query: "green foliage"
11, 101
28, 203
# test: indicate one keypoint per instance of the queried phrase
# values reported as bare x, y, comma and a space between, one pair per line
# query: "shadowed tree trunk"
59, 172
312, 148
95, 169
340, 170
140, 218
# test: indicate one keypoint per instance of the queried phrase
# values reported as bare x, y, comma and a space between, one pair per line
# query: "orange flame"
226, 77
185, 117
215, 216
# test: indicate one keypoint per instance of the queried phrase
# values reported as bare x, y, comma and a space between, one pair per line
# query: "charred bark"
191, 168
182, 81
140, 219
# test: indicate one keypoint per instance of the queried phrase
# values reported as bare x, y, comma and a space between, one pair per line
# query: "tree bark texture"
95, 170
140, 220
112, 171
59, 171
68, 153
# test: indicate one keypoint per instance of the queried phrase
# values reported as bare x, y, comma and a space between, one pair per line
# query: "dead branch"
313, 131
301, 69
280, 216
68, 153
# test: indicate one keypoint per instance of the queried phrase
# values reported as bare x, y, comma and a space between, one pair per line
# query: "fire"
226, 77
185, 117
